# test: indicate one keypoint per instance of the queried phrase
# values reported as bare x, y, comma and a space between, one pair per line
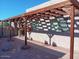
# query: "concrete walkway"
12, 50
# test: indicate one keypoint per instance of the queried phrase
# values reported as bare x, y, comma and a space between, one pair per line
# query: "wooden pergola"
67, 7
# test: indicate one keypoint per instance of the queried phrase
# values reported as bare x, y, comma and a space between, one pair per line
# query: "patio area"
52, 29
37, 50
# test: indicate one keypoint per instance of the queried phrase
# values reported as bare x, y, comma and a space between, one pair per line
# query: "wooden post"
26, 32
2, 28
72, 13
19, 27
10, 30
25, 47
15, 23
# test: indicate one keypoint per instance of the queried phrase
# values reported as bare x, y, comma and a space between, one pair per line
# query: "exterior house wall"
61, 39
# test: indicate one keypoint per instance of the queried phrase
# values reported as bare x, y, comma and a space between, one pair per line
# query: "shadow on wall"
36, 51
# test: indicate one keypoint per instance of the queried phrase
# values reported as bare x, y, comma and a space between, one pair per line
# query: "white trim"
50, 2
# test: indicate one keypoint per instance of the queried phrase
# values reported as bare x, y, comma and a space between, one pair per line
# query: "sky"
9, 8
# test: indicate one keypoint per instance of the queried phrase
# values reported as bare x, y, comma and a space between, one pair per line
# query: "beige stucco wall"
61, 41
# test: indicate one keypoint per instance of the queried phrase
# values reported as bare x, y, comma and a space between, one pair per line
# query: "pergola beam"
59, 11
